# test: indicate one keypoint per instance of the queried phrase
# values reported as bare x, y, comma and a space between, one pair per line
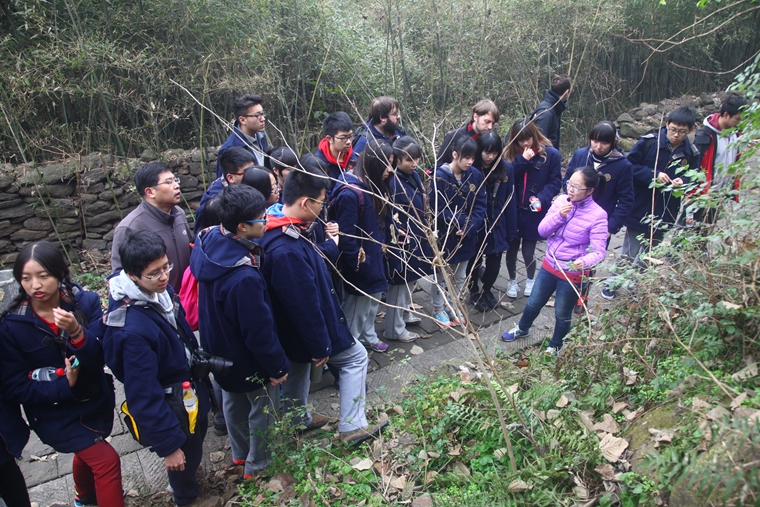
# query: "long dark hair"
52, 260
490, 142
375, 158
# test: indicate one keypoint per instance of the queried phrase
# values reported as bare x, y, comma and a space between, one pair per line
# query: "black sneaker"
479, 302
491, 301
608, 294
220, 429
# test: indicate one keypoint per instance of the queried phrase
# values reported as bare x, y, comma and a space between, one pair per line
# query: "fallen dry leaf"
698, 403
718, 413
470, 365
606, 471
552, 414
416, 350
562, 401
456, 451
434, 454
619, 407
730, 306
466, 377
398, 482
630, 376
518, 486
586, 416
612, 447
738, 401
608, 425
662, 435
540, 414
550, 303
499, 453
430, 476
745, 373
361, 465
456, 395
513, 388
633, 415
522, 363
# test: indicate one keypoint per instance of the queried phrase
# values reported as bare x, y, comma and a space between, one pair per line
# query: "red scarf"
324, 147
471, 131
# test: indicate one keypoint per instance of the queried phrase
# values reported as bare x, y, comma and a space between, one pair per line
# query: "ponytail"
594, 179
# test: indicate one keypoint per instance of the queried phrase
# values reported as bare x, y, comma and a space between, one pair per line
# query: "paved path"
48, 474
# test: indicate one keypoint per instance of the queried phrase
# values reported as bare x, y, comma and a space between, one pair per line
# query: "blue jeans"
565, 299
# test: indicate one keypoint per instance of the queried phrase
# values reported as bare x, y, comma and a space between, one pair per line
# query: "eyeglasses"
259, 221
161, 272
575, 187
344, 138
321, 203
397, 114
679, 132
170, 181
258, 116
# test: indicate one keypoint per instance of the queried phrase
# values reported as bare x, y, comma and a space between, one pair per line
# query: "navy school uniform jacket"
500, 223
444, 153
358, 222
14, 433
238, 138
617, 199
234, 312
370, 130
537, 177
671, 162
548, 116
68, 419
213, 190
411, 257
145, 352
459, 205
306, 307
333, 170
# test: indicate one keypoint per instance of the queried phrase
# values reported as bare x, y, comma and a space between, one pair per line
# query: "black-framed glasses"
322, 203
258, 221
679, 132
258, 116
348, 137
160, 273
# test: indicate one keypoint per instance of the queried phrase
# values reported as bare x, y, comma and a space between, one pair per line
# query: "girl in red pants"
51, 362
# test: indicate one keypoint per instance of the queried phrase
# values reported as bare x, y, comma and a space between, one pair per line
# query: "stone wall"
85, 197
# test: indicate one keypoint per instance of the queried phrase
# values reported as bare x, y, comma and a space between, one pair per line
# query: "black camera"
202, 363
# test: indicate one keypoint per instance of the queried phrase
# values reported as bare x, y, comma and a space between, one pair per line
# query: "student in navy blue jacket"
359, 206
335, 153
603, 155
673, 153
146, 345
248, 132
50, 322
538, 178
234, 163
458, 202
409, 255
14, 434
310, 323
500, 224
236, 322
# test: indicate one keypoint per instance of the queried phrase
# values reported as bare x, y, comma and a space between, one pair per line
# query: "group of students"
287, 271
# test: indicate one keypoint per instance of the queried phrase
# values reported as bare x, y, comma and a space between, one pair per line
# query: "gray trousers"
248, 415
218, 416
361, 312
352, 364
633, 247
399, 296
437, 296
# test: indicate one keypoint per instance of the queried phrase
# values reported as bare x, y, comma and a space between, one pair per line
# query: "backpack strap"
361, 131
357, 191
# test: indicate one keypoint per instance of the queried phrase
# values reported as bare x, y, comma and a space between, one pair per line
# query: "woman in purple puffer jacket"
576, 232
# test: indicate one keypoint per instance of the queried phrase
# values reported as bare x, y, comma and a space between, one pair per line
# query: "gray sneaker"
407, 337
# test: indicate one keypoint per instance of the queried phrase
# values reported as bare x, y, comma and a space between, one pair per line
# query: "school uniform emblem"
473, 187
608, 176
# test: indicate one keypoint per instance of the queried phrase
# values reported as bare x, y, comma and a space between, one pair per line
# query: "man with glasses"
158, 212
383, 123
485, 116
335, 151
146, 345
661, 159
234, 161
248, 132
236, 323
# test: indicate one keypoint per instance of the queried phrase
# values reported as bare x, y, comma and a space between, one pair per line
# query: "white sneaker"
512, 288
552, 351
407, 337
529, 286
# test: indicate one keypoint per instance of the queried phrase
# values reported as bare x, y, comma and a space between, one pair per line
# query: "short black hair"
315, 165
683, 116
147, 175
243, 103
307, 181
234, 158
489, 142
732, 103
283, 158
258, 178
212, 213
238, 203
465, 146
406, 146
561, 83
139, 249
337, 122
605, 132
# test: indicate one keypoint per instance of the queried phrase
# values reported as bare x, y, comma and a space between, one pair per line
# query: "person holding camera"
236, 322
148, 345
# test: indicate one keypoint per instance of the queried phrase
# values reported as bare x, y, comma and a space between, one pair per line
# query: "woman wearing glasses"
51, 362
576, 232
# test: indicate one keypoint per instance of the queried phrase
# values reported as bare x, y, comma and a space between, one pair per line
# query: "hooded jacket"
213, 190
617, 199
670, 161
238, 138
68, 419
14, 433
581, 235
716, 153
459, 205
173, 229
539, 177
371, 130
410, 257
361, 245
500, 224
548, 116
234, 312
146, 344
306, 308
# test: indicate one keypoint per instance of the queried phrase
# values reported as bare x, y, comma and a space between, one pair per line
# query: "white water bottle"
47, 373
189, 398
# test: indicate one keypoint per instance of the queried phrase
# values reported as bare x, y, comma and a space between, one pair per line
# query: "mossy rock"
640, 441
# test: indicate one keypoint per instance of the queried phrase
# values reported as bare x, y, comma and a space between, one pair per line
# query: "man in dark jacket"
383, 123
236, 322
485, 116
310, 322
234, 162
548, 114
146, 346
248, 132
158, 212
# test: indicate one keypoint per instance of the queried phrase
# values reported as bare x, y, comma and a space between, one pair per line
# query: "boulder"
6, 228
108, 195
706, 98
12, 201
96, 208
650, 109
38, 224
6, 178
17, 211
57, 173
28, 235
97, 244
103, 218
147, 155
634, 130
625, 118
